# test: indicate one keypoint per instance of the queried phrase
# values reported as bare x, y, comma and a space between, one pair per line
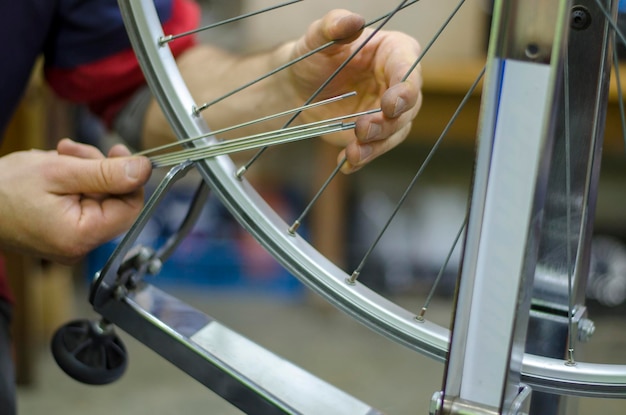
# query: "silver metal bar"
109, 278
589, 66
580, 122
242, 372
515, 141
246, 124
265, 139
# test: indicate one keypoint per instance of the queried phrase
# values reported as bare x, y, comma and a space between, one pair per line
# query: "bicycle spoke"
434, 38
355, 274
296, 224
248, 123
612, 23
169, 38
206, 105
431, 293
568, 216
321, 88
281, 136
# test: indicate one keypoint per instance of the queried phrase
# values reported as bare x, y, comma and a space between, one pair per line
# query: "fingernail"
132, 168
373, 131
364, 152
400, 107
346, 167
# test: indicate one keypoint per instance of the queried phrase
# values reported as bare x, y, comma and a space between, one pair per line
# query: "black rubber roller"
89, 352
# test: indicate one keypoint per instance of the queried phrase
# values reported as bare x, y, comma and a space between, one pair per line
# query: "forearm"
378, 74
211, 73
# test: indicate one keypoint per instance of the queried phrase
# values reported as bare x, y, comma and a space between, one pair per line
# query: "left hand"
376, 75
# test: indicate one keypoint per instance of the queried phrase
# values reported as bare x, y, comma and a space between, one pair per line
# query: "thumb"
115, 175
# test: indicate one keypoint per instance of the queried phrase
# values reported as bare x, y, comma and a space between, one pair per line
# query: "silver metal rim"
304, 261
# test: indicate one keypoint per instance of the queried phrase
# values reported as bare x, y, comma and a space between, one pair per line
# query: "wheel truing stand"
248, 376
257, 381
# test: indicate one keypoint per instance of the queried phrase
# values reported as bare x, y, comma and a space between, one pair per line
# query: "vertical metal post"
580, 121
515, 142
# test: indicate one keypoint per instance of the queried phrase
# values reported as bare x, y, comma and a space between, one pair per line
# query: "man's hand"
376, 75
62, 204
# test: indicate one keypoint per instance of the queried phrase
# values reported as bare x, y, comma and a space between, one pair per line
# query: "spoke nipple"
420, 316
165, 39
353, 278
293, 228
570, 358
240, 172
197, 110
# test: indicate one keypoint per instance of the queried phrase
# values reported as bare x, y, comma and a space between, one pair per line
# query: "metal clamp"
441, 406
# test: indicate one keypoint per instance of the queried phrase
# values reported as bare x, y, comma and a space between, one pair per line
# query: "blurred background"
222, 270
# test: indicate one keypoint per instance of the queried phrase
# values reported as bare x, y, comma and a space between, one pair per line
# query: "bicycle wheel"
302, 259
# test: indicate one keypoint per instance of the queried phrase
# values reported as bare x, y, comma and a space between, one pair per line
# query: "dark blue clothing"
78, 39
25, 27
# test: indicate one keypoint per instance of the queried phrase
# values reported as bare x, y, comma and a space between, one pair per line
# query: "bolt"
586, 328
144, 254
120, 292
581, 18
436, 403
154, 267
532, 51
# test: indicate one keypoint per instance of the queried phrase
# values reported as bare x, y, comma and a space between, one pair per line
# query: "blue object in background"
217, 255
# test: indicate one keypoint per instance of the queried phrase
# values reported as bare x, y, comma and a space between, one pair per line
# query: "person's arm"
375, 75
62, 204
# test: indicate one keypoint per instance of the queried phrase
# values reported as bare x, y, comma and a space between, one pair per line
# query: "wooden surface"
42, 290
445, 85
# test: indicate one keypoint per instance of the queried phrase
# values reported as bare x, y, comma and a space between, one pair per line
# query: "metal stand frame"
240, 371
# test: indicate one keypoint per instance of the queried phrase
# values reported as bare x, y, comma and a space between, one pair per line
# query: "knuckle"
106, 174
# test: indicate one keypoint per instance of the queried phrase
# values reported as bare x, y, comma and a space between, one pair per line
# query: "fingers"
69, 147
401, 98
86, 223
117, 175
378, 133
61, 204
384, 73
72, 148
359, 154
399, 105
119, 150
106, 219
88, 171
